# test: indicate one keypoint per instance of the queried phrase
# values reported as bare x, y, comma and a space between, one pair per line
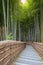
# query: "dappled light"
23, 1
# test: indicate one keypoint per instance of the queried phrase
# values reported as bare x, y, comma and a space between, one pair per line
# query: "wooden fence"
9, 50
38, 46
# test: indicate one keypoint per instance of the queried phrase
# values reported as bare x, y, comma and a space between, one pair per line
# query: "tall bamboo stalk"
7, 16
4, 13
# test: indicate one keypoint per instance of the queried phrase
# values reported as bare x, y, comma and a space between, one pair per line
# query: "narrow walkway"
28, 56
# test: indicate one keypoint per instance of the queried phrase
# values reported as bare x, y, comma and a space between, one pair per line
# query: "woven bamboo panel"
38, 47
9, 50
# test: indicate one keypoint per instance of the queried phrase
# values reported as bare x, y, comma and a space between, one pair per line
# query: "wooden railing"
9, 50
38, 46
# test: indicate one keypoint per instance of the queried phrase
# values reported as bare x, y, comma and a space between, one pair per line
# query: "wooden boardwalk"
28, 56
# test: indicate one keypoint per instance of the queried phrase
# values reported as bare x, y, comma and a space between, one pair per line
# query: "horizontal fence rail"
9, 50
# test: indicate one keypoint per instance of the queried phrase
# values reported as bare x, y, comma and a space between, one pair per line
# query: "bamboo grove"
20, 21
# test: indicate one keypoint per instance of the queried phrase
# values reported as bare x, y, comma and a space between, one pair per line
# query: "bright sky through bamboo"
23, 1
